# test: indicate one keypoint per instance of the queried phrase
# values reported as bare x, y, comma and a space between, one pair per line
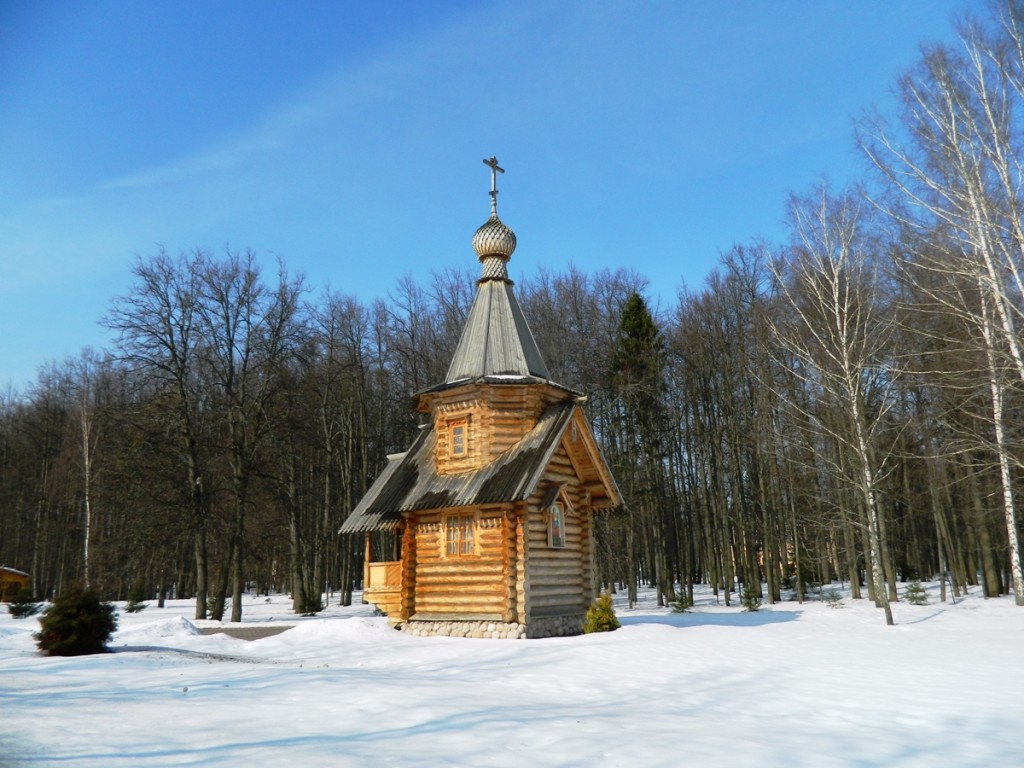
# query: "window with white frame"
458, 535
457, 437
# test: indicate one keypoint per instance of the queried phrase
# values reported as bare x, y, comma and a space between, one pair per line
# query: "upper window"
457, 438
458, 535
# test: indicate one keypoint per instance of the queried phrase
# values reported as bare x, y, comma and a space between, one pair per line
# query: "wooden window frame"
453, 425
459, 535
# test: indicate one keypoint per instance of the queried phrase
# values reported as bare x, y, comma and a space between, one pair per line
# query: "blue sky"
347, 137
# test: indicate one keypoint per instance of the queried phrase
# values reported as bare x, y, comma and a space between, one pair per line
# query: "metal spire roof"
496, 340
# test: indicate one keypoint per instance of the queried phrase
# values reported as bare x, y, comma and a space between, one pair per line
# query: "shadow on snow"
699, 619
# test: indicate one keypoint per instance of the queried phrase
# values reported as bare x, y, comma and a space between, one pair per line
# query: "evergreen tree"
76, 623
136, 599
914, 594
751, 598
23, 605
638, 427
601, 616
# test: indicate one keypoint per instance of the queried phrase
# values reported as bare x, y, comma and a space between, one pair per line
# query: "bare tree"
248, 332
954, 166
837, 332
157, 334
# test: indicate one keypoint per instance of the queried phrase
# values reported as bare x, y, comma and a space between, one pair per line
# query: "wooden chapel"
492, 505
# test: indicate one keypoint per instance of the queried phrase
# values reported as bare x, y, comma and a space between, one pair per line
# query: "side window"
556, 525
457, 438
459, 530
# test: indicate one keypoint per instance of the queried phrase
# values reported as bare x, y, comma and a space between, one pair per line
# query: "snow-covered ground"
789, 685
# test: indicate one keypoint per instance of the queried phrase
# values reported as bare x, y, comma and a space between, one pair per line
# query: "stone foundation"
554, 626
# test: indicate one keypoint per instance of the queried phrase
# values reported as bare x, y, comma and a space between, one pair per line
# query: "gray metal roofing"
496, 339
409, 481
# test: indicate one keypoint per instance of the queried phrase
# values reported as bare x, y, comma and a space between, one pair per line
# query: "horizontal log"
557, 606
555, 571
458, 585
548, 612
449, 598
459, 579
441, 606
463, 565
549, 588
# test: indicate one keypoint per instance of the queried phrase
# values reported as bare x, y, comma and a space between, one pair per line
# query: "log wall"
471, 585
497, 417
558, 580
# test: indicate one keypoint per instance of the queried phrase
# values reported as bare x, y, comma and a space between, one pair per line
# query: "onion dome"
494, 239
494, 244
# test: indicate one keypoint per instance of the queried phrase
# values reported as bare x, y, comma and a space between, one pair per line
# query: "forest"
844, 405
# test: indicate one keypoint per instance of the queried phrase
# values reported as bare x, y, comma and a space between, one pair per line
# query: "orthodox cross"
495, 170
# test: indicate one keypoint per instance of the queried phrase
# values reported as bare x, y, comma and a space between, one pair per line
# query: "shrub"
23, 605
682, 604
601, 616
914, 593
832, 599
751, 600
211, 605
137, 597
76, 623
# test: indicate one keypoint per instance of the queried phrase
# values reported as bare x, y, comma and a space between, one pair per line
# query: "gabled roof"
410, 482
496, 340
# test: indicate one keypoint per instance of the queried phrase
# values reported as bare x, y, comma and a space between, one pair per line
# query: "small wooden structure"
12, 581
491, 507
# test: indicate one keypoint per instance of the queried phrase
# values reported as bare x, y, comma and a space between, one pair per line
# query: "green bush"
914, 593
601, 616
751, 600
211, 605
832, 599
23, 605
137, 597
76, 623
682, 604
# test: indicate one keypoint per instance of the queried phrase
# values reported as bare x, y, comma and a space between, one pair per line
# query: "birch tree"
953, 166
836, 331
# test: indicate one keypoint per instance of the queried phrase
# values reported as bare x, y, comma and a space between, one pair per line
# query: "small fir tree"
682, 604
136, 599
76, 623
23, 605
751, 600
914, 593
832, 599
601, 616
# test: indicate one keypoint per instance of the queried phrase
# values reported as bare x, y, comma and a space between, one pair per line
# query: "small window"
458, 535
556, 526
457, 438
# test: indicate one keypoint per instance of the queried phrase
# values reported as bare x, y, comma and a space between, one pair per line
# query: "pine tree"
136, 599
76, 623
914, 594
23, 605
637, 375
751, 599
